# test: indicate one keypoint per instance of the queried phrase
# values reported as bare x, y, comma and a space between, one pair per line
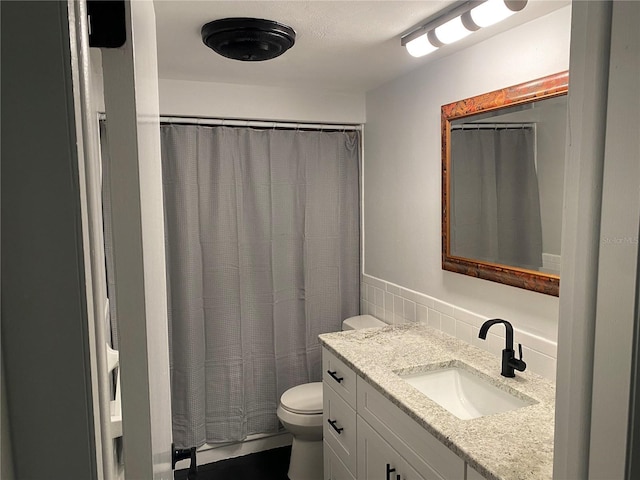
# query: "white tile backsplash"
448, 324
410, 294
379, 297
409, 310
375, 282
434, 319
393, 289
468, 317
388, 301
395, 305
463, 332
443, 307
422, 314
541, 364
398, 307
494, 344
535, 342
476, 340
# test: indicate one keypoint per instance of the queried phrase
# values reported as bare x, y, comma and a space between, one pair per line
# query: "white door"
130, 76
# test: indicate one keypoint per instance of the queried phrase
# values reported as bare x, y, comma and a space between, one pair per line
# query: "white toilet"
300, 411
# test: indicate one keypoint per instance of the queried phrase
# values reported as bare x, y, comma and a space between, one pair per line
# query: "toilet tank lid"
362, 321
304, 399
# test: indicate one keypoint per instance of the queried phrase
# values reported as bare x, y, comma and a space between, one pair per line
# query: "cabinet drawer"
339, 427
334, 469
339, 376
421, 449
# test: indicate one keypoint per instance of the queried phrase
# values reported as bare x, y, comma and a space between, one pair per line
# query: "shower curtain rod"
252, 123
257, 123
492, 126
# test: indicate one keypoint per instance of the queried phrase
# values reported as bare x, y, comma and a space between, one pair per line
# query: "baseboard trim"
255, 443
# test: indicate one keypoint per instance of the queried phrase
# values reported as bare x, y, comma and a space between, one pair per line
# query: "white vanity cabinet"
339, 418
367, 437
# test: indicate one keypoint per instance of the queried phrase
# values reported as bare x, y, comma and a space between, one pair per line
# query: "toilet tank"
362, 321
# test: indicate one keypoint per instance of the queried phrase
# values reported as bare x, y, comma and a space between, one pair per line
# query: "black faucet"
509, 360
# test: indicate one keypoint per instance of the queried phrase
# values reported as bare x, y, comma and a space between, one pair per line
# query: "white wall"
247, 102
137, 222
617, 296
402, 170
222, 100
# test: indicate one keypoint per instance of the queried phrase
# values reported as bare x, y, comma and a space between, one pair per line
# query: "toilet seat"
303, 399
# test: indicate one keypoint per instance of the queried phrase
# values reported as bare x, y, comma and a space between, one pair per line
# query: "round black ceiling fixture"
248, 39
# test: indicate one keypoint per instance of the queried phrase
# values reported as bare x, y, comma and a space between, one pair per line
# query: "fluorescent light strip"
453, 29
490, 12
419, 47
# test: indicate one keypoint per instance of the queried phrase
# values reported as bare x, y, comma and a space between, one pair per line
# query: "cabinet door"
334, 469
377, 460
473, 474
418, 447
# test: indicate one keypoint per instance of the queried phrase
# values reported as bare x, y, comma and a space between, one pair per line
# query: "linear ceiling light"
455, 24
494, 11
420, 46
452, 31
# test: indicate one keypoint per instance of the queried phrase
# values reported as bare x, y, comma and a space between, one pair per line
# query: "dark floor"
267, 465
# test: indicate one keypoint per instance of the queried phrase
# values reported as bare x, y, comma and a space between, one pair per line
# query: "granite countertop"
511, 445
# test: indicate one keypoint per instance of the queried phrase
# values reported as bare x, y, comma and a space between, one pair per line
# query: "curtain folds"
495, 214
262, 235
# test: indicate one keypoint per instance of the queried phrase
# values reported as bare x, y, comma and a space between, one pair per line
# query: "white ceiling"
348, 46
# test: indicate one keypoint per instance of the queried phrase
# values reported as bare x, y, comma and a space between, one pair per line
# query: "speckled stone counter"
511, 445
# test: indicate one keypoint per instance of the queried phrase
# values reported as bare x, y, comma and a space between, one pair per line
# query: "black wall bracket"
107, 25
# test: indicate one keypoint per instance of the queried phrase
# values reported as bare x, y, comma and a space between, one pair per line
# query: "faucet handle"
519, 364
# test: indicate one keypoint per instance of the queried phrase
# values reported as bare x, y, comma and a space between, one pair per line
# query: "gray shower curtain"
262, 234
495, 203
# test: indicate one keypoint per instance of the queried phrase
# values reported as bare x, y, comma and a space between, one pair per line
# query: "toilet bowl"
300, 412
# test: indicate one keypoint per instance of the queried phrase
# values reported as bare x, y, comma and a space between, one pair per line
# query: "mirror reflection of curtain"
495, 204
262, 230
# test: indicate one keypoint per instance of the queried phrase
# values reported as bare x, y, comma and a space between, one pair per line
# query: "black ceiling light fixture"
248, 39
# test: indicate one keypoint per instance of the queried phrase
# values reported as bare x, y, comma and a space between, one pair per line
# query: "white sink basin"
463, 393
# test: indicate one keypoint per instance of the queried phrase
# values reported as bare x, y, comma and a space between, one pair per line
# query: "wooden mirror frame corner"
539, 89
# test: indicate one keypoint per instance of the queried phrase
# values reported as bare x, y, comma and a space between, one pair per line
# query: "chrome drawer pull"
334, 376
333, 424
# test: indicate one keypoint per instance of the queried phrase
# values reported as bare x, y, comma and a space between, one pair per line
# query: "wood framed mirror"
502, 177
